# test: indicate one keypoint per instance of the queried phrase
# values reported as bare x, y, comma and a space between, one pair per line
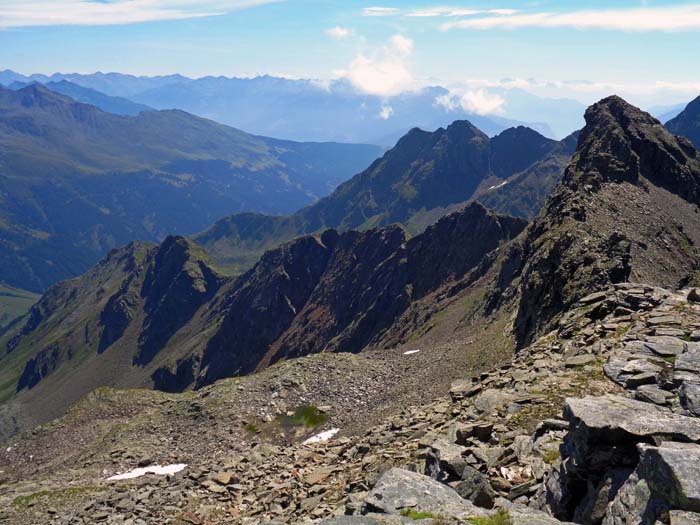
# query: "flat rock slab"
400, 490
580, 360
631, 418
681, 517
689, 362
665, 346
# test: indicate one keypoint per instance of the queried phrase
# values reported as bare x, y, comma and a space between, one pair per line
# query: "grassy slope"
14, 303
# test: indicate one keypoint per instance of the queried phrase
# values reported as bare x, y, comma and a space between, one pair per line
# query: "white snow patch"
409, 352
322, 436
498, 185
152, 469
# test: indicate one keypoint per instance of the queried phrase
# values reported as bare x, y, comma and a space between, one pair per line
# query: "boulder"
400, 490
689, 395
476, 488
667, 477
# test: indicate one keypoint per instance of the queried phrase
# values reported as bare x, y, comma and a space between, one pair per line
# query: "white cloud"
380, 11
386, 112
116, 12
401, 44
447, 11
478, 101
667, 18
339, 32
384, 72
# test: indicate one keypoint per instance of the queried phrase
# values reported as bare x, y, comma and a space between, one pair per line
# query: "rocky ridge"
564, 433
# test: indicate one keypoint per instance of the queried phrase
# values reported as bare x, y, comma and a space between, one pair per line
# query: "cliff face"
626, 210
337, 292
105, 327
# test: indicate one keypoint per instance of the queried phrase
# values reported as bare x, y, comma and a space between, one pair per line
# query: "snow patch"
409, 352
153, 469
322, 436
498, 185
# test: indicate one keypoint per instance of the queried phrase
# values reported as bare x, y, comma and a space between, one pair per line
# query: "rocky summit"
485, 371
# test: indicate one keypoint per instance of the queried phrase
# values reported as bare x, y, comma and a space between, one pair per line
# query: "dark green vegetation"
76, 181
304, 416
687, 123
14, 303
423, 177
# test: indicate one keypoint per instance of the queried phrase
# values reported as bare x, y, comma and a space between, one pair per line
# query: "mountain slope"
109, 104
414, 183
524, 194
101, 328
687, 122
76, 181
160, 317
14, 303
626, 210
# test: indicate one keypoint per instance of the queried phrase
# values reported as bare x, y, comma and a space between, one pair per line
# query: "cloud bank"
666, 18
30, 13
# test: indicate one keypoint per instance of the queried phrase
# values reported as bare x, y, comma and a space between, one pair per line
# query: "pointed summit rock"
687, 123
626, 210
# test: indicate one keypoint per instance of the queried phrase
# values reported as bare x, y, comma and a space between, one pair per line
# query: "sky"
644, 50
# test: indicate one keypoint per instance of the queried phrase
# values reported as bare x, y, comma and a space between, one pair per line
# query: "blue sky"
645, 50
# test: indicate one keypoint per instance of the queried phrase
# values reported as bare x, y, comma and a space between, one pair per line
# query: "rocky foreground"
596, 422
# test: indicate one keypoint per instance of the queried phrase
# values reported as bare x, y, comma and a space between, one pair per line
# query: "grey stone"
673, 472
689, 395
611, 418
399, 490
665, 346
688, 362
579, 360
476, 488
653, 394
681, 517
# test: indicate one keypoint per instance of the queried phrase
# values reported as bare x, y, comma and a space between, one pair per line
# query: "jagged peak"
620, 142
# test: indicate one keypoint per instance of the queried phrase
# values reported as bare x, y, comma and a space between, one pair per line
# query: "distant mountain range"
116, 105
76, 181
311, 110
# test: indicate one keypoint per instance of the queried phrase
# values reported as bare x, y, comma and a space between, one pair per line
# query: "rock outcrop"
687, 123
626, 209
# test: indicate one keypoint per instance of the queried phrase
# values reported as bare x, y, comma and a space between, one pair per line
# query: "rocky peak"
515, 149
626, 209
622, 143
176, 284
687, 122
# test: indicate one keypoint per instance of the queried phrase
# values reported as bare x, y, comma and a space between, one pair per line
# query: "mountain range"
160, 316
76, 181
309, 110
426, 175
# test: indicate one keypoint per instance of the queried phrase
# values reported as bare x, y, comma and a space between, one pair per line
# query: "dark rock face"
174, 287
263, 303
154, 292
687, 123
339, 292
625, 159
